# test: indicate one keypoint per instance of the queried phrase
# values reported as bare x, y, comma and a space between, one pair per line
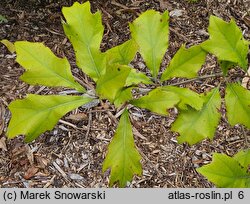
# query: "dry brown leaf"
77, 117
3, 144
30, 172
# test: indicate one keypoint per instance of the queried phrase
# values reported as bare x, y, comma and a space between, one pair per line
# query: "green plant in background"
3, 19
198, 114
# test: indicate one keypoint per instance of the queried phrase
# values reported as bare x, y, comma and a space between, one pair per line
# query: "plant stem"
219, 74
146, 90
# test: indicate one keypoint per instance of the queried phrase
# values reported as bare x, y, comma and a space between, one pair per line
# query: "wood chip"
30, 172
3, 144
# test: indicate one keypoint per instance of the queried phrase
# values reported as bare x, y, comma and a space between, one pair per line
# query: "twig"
245, 136
58, 168
49, 182
88, 126
198, 78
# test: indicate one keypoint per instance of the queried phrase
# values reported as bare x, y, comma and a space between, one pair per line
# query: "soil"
71, 155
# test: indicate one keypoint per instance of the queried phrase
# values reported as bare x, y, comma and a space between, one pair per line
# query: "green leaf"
187, 97
243, 157
226, 42
10, 46
123, 96
196, 125
35, 114
3, 19
122, 54
85, 31
158, 101
238, 105
112, 82
43, 67
150, 30
185, 63
123, 158
136, 77
225, 172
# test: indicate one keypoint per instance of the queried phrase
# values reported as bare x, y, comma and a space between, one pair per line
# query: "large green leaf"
196, 125
243, 157
122, 54
238, 105
185, 63
225, 172
187, 97
226, 42
35, 114
136, 77
43, 67
85, 31
123, 157
150, 30
158, 101
112, 82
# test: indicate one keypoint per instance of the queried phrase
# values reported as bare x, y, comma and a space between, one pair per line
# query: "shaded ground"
71, 155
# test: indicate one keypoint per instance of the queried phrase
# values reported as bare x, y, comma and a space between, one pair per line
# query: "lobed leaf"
112, 82
196, 125
238, 104
226, 42
185, 63
35, 114
243, 157
158, 101
123, 158
225, 172
85, 31
150, 30
187, 97
122, 54
43, 67
136, 77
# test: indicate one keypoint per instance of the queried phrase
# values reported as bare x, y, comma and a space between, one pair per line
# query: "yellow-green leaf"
225, 172
158, 101
226, 42
187, 97
43, 67
150, 30
122, 54
185, 63
85, 31
36, 114
136, 77
112, 82
123, 158
196, 125
10, 46
238, 105
123, 96
243, 157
